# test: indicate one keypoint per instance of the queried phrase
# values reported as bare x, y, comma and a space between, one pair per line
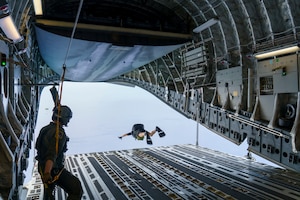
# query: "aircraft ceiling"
114, 36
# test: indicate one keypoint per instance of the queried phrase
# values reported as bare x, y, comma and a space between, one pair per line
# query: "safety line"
63, 76
73, 32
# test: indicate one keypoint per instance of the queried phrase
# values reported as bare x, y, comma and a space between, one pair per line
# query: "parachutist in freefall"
139, 133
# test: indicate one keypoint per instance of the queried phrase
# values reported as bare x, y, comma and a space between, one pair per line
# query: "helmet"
64, 116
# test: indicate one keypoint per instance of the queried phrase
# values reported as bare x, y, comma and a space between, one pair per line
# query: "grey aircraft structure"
230, 65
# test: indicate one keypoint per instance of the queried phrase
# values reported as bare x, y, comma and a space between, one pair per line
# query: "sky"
104, 111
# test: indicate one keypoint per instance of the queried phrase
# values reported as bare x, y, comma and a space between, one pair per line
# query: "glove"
47, 178
120, 137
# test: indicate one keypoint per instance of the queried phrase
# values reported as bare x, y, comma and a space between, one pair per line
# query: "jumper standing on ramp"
51, 161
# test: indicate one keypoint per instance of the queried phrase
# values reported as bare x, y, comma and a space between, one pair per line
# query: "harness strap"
55, 178
58, 111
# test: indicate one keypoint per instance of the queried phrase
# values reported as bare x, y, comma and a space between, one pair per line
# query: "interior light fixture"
9, 28
205, 25
277, 52
38, 9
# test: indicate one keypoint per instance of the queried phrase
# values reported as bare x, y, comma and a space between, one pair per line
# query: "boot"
160, 132
148, 138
